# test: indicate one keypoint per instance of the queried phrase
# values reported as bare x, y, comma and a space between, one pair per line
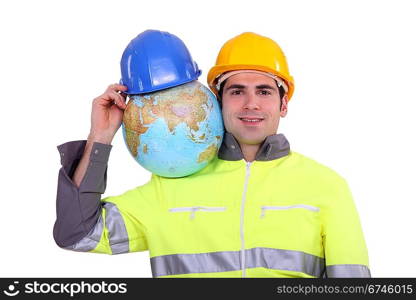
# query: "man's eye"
236, 92
265, 92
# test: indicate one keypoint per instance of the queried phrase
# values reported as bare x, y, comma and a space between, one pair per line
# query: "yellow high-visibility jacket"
282, 215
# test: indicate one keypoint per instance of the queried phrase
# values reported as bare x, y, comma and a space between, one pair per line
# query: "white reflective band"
90, 241
118, 238
269, 258
360, 271
278, 259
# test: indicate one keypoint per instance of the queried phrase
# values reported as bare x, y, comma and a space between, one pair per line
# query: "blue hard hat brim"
137, 91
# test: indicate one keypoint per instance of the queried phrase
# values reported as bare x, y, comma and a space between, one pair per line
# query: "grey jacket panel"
78, 209
273, 147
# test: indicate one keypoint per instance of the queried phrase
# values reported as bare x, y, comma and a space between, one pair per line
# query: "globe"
173, 132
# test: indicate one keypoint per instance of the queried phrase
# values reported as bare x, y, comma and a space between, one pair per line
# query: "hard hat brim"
216, 72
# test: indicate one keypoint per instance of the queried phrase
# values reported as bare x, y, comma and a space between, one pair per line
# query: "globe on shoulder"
174, 132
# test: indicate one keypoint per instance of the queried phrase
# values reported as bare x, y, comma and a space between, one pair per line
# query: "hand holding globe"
172, 124
106, 117
107, 113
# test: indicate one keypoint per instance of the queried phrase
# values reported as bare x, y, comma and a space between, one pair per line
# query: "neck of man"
249, 151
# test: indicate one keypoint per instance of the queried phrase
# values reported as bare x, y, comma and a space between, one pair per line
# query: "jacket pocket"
264, 208
193, 209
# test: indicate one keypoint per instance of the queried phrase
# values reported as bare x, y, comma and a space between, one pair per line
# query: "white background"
353, 110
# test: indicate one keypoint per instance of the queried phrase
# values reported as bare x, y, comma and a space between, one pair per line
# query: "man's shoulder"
309, 166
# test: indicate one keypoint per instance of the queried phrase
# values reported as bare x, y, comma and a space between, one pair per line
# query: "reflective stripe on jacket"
282, 215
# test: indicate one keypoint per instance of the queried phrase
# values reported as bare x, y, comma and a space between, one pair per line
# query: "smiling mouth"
251, 120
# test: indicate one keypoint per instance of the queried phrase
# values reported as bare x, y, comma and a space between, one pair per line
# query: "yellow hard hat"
250, 51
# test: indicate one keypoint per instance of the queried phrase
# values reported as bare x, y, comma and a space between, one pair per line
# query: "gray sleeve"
78, 209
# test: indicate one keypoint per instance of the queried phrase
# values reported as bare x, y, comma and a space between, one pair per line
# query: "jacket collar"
273, 147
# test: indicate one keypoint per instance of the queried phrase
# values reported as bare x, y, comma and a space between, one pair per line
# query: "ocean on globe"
174, 132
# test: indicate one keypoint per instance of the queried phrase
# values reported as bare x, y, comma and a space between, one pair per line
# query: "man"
257, 210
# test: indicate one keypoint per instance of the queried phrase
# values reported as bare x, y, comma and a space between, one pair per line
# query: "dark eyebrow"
265, 86
258, 87
235, 86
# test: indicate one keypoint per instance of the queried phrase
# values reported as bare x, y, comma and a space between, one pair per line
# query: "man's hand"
106, 117
107, 114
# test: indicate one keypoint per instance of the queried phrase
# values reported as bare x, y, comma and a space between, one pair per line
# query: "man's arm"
78, 208
85, 160
83, 222
343, 239
106, 117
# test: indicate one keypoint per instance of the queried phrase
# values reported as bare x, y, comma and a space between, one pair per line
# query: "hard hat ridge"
156, 60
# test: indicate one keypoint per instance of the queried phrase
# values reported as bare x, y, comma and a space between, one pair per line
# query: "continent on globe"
174, 132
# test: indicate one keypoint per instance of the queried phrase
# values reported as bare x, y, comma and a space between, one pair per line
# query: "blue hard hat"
156, 60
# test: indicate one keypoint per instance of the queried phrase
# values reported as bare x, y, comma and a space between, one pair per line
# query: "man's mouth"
251, 120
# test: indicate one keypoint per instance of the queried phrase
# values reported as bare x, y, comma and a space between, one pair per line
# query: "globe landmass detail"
208, 153
175, 129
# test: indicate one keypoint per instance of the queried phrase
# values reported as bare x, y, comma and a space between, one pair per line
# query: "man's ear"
283, 106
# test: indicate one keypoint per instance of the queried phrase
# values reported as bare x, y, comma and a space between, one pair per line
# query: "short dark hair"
282, 92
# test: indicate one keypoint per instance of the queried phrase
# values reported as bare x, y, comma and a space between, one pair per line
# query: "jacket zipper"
304, 206
194, 209
243, 256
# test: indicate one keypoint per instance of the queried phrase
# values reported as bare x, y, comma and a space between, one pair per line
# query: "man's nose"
251, 101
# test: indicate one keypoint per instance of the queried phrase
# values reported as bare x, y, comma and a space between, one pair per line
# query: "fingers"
113, 95
116, 87
116, 90
119, 100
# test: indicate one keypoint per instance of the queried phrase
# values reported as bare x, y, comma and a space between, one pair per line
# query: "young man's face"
251, 107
